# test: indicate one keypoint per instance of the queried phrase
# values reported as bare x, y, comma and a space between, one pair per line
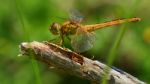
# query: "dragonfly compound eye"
55, 28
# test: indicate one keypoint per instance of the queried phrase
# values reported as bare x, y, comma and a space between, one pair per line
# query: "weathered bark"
75, 64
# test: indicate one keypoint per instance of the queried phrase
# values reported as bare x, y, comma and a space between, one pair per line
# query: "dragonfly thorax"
69, 28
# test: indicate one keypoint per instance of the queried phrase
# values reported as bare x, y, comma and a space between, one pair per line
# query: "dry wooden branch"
75, 64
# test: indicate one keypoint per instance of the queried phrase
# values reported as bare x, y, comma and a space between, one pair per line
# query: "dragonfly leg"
55, 40
68, 38
62, 40
52, 40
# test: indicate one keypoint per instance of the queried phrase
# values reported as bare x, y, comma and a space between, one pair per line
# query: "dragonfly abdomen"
110, 23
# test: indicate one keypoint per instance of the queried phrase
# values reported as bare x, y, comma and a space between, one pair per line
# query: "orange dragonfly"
83, 36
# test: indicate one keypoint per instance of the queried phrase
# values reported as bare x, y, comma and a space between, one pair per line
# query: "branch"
75, 64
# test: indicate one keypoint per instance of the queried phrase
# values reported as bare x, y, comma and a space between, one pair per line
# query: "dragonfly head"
55, 28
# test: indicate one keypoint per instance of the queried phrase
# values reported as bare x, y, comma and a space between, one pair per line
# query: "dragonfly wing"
76, 16
82, 41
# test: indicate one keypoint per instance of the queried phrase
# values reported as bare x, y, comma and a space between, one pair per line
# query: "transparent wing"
82, 41
76, 16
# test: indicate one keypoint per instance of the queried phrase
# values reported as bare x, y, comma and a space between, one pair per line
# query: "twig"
75, 64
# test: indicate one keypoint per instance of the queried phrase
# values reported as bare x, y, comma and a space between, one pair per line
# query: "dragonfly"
83, 37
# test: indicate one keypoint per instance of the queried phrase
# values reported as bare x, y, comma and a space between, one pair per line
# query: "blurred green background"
29, 20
